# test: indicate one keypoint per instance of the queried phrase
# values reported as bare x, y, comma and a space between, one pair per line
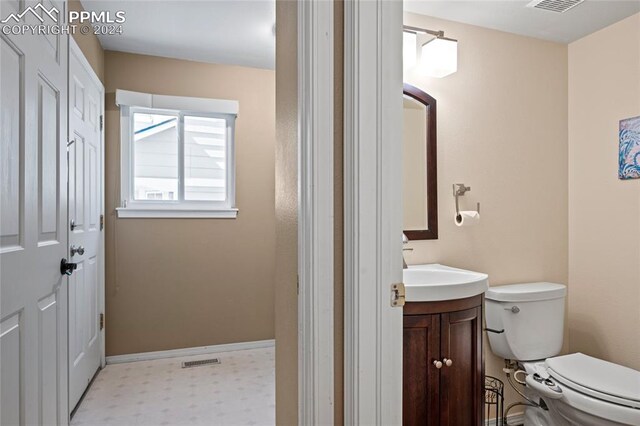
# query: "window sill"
176, 213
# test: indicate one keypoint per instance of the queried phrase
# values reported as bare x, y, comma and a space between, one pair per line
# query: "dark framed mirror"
419, 165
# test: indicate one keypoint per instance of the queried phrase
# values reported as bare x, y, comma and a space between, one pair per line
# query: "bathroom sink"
433, 282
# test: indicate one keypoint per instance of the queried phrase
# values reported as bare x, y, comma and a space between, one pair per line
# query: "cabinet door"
421, 379
461, 384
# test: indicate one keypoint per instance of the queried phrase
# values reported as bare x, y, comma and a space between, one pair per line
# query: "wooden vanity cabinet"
448, 332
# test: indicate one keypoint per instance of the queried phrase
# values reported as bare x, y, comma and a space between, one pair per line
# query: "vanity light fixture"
409, 46
439, 56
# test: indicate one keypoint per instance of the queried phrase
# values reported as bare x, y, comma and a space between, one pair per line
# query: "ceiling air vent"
558, 6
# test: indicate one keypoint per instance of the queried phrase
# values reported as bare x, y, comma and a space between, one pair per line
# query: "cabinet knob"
437, 363
447, 362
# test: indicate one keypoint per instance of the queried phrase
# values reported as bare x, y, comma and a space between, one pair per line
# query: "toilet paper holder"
459, 189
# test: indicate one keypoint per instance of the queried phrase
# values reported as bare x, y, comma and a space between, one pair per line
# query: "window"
176, 162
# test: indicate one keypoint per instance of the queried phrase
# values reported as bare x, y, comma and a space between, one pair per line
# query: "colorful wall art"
629, 155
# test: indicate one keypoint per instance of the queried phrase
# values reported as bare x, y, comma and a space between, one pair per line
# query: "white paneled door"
33, 216
85, 223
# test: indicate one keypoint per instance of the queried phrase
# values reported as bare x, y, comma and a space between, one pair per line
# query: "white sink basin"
433, 282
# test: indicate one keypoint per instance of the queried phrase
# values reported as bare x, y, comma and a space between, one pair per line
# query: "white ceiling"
513, 16
241, 32
237, 32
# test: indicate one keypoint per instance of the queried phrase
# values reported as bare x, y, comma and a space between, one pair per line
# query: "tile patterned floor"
239, 391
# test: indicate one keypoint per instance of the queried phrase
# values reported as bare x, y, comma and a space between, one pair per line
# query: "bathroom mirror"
419, 189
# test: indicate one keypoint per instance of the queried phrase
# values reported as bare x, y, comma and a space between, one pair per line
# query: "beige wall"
502, 130
176, 283
89, 45
286, 213
604, 212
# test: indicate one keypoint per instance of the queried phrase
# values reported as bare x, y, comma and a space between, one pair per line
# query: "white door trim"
74, 49
315, 213
373, 211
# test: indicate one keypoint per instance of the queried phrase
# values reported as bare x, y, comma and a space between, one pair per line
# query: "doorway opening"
188, 221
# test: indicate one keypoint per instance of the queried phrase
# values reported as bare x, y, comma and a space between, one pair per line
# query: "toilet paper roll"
467, 218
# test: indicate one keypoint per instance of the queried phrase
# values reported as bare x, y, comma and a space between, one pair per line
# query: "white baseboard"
514, 419
146, 356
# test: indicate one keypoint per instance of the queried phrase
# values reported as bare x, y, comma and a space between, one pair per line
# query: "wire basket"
494, 401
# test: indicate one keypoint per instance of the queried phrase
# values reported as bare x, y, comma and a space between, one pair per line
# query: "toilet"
525, 323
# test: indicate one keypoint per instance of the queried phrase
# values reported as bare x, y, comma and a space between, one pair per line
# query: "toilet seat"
596, 378
581, 409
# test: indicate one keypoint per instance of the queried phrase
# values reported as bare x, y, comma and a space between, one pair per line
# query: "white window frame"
133, 102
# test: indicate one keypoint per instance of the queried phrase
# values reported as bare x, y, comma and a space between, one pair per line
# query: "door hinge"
101, 321
397, 295
101, 222
101, 121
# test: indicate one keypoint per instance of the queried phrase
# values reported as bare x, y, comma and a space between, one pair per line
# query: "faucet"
405, 241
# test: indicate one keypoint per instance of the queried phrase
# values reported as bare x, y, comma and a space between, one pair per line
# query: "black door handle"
67, 268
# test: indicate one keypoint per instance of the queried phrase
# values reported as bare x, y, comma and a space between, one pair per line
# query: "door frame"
315, 213
373, 211
74, 49
373, 247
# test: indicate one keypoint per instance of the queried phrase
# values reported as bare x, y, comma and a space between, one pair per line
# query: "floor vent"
200, 363
558, 6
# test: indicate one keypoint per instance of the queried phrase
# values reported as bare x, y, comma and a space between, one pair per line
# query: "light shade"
439, 57
409, 46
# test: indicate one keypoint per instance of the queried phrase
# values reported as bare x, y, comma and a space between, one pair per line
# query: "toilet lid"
595, 377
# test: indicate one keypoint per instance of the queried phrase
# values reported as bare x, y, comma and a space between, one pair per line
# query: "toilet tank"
532, 317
